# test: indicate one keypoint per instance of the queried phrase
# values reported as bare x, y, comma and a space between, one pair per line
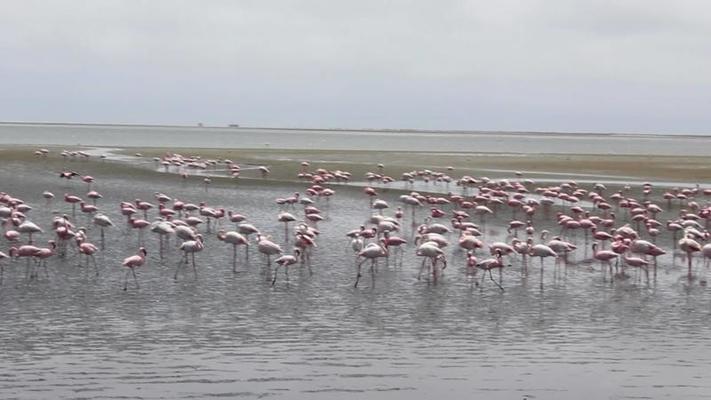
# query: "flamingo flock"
463, 228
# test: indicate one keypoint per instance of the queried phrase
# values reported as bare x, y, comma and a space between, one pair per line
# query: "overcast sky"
546, 65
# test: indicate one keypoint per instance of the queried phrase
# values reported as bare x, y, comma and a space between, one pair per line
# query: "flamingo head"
143, 251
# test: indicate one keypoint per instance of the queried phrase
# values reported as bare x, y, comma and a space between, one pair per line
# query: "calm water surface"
234, 335
528, 143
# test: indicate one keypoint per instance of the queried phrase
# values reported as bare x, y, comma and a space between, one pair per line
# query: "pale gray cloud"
511, 65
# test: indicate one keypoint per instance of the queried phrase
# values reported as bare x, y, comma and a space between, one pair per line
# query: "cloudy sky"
539, 65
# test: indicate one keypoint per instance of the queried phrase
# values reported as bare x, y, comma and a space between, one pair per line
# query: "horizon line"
322, 129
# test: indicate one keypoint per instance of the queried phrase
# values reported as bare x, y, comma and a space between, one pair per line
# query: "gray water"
245, 138
229, 335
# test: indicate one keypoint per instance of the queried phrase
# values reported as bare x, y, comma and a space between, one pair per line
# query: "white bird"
190, 247
235, 239
268, 248
371, 252
164, 229
286, 217
29, 228
542, 251
431, 251
285, 261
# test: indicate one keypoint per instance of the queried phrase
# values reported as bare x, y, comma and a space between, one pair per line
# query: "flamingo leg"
133, 271
234, 258
422, 267
194, 268
359, 274
183, 259
494, 280
372, 270
276, 269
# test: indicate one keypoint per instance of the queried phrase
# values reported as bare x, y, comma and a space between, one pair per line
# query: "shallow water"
234, 335
246, 138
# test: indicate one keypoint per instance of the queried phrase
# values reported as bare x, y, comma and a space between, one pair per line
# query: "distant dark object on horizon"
233, 126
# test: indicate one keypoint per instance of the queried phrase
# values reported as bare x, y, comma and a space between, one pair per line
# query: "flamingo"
604, 256
27, 252
132, 263
636, 262
285, 261
190, 247
689, 246
29, 228
141, 225
88, 250
286, 217
42, 254
268, 248
394, 241
164, 229
371, 252
430, 250
542, 251
305, 243
103, 222
490, 264
73, 200
235, 239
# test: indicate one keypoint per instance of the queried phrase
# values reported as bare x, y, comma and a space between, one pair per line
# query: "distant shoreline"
366, 130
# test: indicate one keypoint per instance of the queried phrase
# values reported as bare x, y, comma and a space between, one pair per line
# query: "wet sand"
543, 167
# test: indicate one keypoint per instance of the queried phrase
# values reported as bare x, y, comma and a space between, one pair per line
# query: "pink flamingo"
88, 250
689, 246
27, 252
141, 225
636, 262
94, 196
305, 243
143, 206
490, 264
132, 263
73, 200
88, 179
604, 256
87, 208
42, 254
394, 241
